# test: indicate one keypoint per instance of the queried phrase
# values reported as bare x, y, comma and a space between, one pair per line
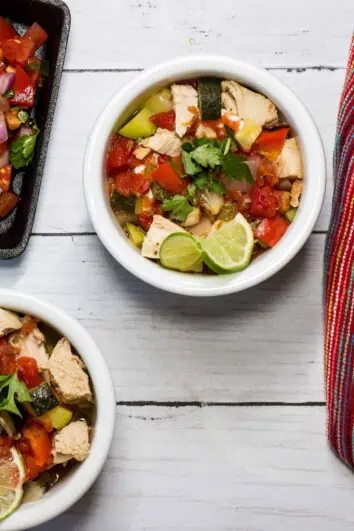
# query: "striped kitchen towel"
339, 283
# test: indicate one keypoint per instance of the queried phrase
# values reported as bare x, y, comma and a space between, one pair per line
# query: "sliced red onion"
253, 164
7, 79
4, 158
25, 131
237, 186
3, 128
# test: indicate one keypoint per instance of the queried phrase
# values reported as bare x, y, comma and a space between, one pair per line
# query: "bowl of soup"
57, 411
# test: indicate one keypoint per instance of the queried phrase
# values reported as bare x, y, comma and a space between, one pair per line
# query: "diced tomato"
5, 446
119, 153
162, 159
270, 231
266, 173
166, 120
6, 31
8, 201
35, 77
270, 143
32, 469
18, 50
130, 183
37, 34
169, 176
264, 202
5, 178
24, 90
40, 442
145, 220
7, 357
28, 371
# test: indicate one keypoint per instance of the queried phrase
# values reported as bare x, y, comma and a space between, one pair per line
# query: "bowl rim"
80, 480
275, 259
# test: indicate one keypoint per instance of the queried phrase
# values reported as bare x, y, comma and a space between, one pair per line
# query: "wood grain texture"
224, 469
259, 345
139, 33
81, 99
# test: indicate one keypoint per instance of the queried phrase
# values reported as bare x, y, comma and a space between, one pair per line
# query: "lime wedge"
12, 476
229, 249
182, 252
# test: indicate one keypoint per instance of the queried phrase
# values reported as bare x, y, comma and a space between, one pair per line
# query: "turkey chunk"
8, 322
72, 442
32, 346
289, 164
141, 152
67, 376
159, 230
185, 102
248, 104
164, 142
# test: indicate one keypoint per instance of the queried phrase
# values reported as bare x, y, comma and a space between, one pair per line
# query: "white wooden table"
220, 413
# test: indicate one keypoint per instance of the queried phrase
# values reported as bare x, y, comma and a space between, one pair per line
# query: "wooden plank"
138, 33
62, 207
264, 344
225, 469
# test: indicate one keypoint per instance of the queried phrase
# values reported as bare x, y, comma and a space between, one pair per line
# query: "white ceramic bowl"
78, 481
121, 106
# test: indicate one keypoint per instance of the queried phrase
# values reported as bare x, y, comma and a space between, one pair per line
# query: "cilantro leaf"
16, 390
22, 150
205, 181
207, 155
178, 206
236, 169
191, 167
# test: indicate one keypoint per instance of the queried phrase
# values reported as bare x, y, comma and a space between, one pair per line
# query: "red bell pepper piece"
169, 176
119, 154
270, 231
40, 442
6, 31
24, 90
7, 357
270, 143
264, 202
8, 201
166, 120
5, 178
130, 183
37, 34
27, 369
18, 50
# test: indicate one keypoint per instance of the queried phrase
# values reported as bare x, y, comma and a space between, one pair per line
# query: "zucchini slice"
43, 399
209, 92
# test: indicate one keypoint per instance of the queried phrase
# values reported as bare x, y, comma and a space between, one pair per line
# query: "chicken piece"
9, 322
159, 230
289, 163
248, 104
32, 346
205, 131
193, 218
141, 152
296, 191
72, 442
67, 376
185, 102
164, 142
203, 228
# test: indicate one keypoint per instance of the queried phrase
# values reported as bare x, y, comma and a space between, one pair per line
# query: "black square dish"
54, 17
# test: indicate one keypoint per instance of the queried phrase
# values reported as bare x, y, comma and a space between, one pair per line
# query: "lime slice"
182, 252
12, 476
229, 249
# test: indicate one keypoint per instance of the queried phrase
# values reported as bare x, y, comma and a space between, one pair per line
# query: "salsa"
211, 159
21, 76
